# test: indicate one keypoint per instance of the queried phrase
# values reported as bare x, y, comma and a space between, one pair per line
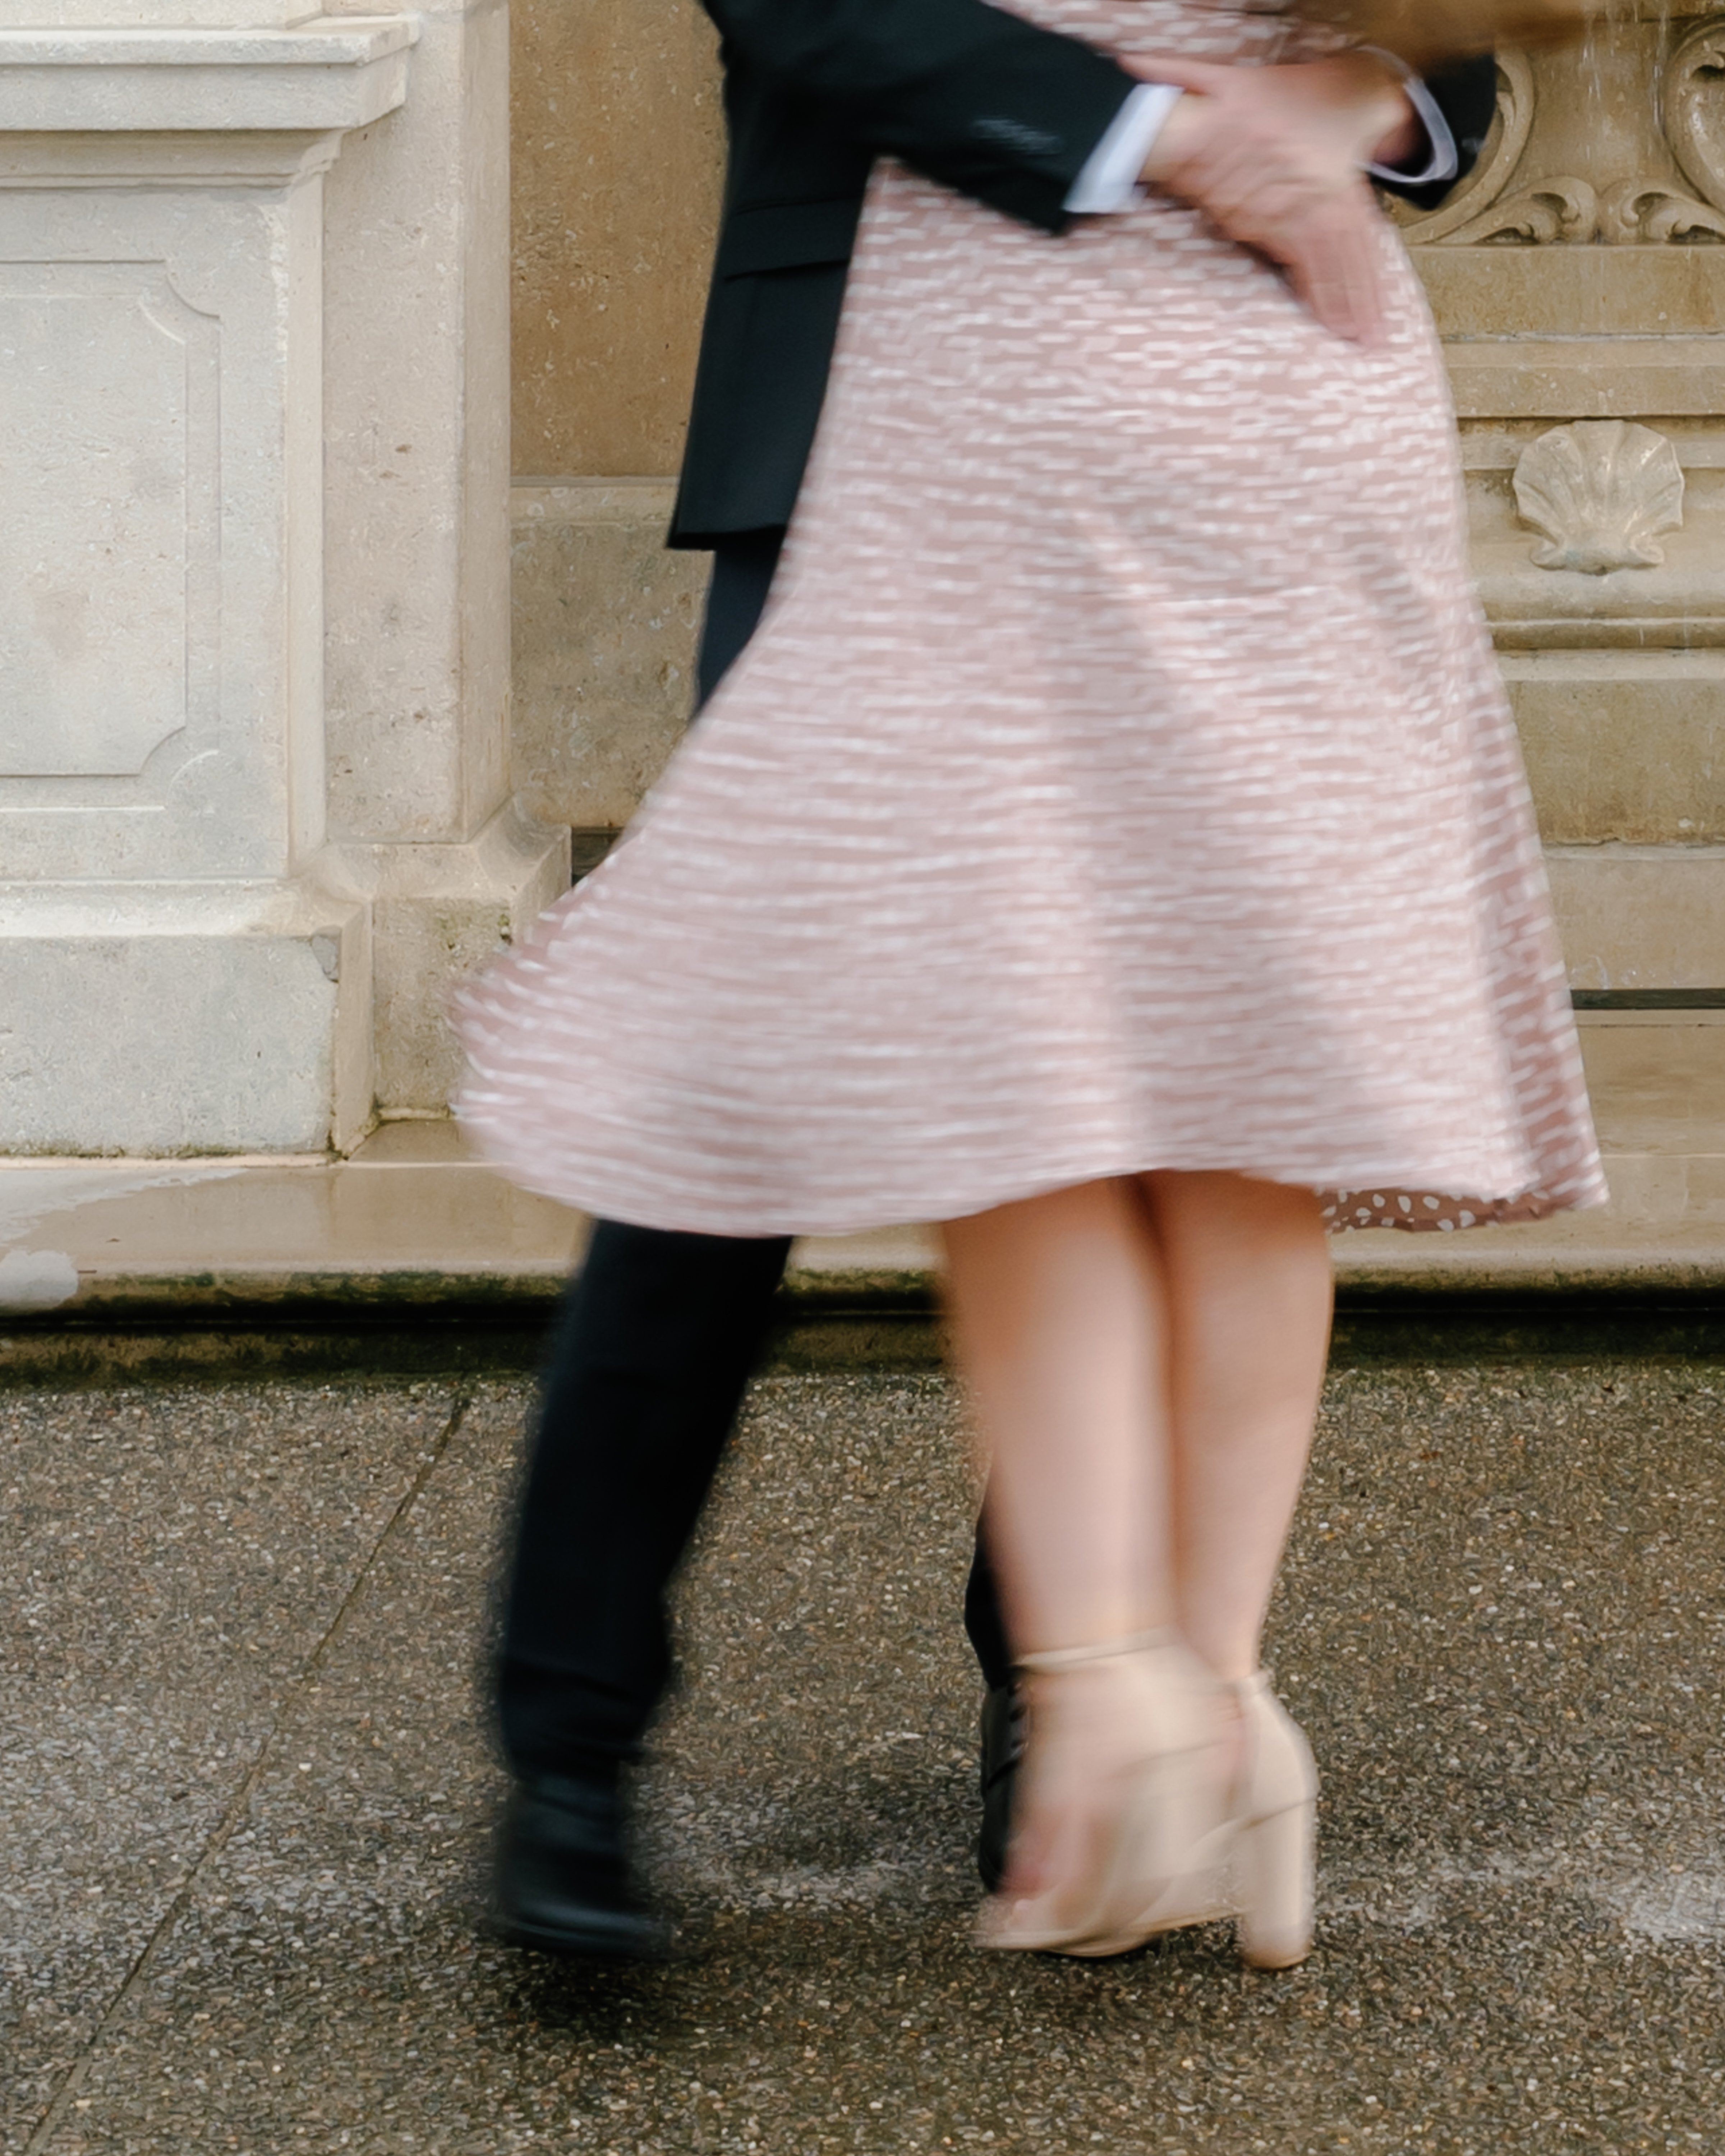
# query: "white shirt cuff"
1443, 164
1109, 178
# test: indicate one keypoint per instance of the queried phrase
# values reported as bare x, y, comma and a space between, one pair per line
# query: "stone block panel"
108, 542
1657, 1081
1641, 917
438, 914
618, 159
159, 345
1623, 746
606, 621
184, 1020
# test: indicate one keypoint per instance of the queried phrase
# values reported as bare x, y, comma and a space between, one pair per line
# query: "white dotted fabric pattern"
1120, 779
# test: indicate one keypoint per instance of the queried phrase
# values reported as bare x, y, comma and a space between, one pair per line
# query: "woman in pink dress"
1114, 846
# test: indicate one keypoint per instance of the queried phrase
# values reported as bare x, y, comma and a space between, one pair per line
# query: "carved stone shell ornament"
1601, 490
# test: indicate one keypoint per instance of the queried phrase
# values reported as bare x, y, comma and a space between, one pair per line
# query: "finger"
1273, 215
1372, 299
1228, 159
1362, 263
1317, 271
1343, 300
1334, 268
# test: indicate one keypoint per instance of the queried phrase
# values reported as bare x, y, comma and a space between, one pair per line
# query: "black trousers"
659, 1335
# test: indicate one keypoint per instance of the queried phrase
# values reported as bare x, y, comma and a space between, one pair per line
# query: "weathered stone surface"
619, 159
1560, 280
182, 1019
179, 976
195, 14
606, 621
438, 914
250, 405
417, 457
166, 740
1623, 745
1640, 917
243, 72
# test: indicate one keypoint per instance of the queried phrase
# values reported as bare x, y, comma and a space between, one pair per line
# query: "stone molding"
1498, 162
331, 73
437, 912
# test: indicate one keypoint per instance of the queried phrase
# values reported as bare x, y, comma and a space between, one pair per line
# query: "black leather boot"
563, 1883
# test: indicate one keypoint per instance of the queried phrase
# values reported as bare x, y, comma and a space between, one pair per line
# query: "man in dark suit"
661, 1332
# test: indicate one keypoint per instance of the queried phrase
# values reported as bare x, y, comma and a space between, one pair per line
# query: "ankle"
1048, 1661
1230, 1660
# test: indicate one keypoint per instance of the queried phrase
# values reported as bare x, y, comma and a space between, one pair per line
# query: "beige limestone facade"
1578, 281
301, 699
255, 810
618, 162
618, 153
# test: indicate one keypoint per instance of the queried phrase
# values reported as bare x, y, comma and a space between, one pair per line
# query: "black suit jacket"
815, 91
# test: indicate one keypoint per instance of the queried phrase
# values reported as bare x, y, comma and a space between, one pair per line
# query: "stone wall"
619, 158
617, 147
1579, 283
605, 624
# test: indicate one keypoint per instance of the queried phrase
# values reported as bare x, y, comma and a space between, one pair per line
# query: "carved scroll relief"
1694, 104
1534, 185
1499, 158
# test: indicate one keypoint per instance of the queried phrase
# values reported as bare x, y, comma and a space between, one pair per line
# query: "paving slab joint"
60, 2104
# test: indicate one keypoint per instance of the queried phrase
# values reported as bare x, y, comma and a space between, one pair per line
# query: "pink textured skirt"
1120, 780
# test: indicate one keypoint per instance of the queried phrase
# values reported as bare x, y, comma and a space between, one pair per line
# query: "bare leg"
1056, 1307
1248, 1283
1144, 1361
1146, 1375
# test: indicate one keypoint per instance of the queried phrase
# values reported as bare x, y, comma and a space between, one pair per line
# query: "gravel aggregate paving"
247, 1784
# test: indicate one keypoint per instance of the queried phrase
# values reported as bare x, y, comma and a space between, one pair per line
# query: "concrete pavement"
246, 1786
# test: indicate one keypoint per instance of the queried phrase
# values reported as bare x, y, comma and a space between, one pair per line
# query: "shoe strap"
1260, 1685
1049, 1660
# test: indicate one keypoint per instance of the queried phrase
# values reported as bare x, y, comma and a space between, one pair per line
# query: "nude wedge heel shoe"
1274, 1831
1163, 1853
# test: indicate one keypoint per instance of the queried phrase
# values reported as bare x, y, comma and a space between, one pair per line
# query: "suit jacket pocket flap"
787, 236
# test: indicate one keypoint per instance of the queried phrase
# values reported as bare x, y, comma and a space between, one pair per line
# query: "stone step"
412, 1219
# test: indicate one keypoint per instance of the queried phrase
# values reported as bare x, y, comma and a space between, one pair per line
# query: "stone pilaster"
177, 970
209, 938
418, 607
